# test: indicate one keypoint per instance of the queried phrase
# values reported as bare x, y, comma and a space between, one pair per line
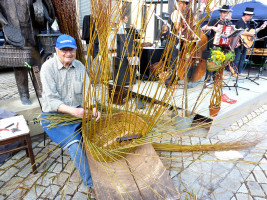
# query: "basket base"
137, 175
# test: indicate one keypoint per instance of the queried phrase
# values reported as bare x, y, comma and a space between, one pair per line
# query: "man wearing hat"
63, 80
212, 27
241, 51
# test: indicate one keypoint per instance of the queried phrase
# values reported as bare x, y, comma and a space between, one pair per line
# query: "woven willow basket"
212, 67
11, 56
106, 135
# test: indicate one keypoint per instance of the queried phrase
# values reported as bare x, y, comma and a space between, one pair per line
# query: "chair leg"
44, 138
62, 157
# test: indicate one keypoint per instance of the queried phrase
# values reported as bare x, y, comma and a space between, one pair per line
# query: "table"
23, 134
149, 56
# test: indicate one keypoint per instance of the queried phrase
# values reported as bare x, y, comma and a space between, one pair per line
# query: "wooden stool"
139, 176
22, 133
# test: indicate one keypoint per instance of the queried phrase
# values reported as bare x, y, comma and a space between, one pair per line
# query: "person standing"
241, 50
89, 31
123, 24
63, 80
164, 35
173, 42
212, 27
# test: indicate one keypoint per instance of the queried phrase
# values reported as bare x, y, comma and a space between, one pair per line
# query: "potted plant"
216, 63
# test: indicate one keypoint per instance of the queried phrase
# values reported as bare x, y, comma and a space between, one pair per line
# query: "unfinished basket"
112, 138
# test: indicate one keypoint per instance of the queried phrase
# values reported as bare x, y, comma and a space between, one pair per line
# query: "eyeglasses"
65, 50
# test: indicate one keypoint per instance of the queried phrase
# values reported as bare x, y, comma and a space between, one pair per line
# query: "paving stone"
243, 189
264, 187
259, 198
255, 189
56, 153
17, 194
260, 176
8, 174
30, 180
186, 140
41, 144
58, 168
49, 165
194, 140
61, 178
189, 178
65, 197
231, 183
66, 159
70, 188
10, 185
79, 195
69, 168
263, 164
25, 171
253, 158
34, 193
205, 141
46, 179
36, 150
173, 173
75, 177
221, 193
251, 178
23, 162
8, 163
50, 192
83, 188
245, 168
19, 155
240, 196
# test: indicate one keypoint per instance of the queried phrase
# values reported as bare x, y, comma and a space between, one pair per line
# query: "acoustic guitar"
249, 40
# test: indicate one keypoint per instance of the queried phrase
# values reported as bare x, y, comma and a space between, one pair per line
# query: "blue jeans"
70, 137
78, 155
240, 56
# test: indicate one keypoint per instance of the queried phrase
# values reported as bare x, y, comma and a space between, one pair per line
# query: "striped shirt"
61, 85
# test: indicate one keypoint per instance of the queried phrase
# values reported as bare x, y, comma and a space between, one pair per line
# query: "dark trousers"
240, 56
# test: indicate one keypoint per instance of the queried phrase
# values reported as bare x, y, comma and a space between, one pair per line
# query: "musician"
241, 51
177, 28
212, 27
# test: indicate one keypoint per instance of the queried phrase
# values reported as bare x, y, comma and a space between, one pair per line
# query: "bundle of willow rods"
237, 145
67, 19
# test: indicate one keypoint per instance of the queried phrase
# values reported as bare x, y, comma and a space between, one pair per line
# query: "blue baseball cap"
66, 41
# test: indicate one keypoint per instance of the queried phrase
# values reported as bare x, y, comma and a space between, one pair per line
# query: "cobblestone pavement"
197, 175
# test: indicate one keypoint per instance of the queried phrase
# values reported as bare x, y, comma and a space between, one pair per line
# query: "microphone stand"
237, 77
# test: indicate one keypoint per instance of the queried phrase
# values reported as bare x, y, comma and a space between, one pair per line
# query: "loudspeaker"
125, 72
124, 45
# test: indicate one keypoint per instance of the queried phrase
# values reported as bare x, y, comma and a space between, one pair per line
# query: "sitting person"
62, 79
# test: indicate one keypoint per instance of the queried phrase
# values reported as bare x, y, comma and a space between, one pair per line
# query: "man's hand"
78, 112
96, 114
263, 26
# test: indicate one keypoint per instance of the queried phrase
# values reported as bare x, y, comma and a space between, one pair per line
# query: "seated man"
62, 79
